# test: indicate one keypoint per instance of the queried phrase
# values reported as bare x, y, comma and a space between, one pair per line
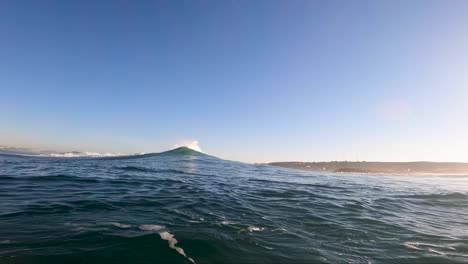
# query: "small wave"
77, 154
151, 227
151, 170
6, 178
87, 205
419, 245
59, 177
196, 221
442, 196
135, 168
72, 154
291, 183
279, 229
255, 229
432, 248
119, 225
411, 245
61, 208
39, 209
437, 252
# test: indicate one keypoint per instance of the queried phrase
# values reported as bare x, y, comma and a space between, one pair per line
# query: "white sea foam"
151, 227
437, 252
411, 245
76, 154
55, 154
195, 221
255, 229
427, 246
172, 244
279, 229
119, 225
165, 235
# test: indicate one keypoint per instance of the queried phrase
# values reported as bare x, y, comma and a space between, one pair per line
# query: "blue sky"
253, 81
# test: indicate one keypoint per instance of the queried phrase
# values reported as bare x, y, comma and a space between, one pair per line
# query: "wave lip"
182, 151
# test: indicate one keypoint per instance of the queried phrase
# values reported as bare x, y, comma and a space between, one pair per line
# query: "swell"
96, 247
161, 171
82, 157
60, 208
244, 214
438, 196
50, 178
292, 184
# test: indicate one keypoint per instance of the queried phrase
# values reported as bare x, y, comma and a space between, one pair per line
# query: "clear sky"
253, 81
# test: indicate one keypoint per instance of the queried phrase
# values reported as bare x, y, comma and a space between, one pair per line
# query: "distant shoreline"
363, 167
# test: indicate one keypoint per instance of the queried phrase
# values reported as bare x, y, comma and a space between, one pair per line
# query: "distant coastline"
412, 168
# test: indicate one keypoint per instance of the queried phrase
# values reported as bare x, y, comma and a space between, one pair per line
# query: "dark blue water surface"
185, 207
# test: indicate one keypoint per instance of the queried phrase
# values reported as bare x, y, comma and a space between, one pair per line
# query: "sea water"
187, 207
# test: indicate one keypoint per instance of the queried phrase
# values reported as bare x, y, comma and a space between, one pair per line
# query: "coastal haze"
413, 168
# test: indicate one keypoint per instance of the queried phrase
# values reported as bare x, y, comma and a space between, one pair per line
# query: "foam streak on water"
172, 244
131, 209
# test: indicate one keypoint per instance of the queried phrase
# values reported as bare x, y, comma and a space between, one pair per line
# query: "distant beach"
400, 168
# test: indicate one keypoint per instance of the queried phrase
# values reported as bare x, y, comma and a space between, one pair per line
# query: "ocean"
183, 206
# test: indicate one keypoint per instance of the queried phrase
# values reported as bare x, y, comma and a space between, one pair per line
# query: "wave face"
187, 207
